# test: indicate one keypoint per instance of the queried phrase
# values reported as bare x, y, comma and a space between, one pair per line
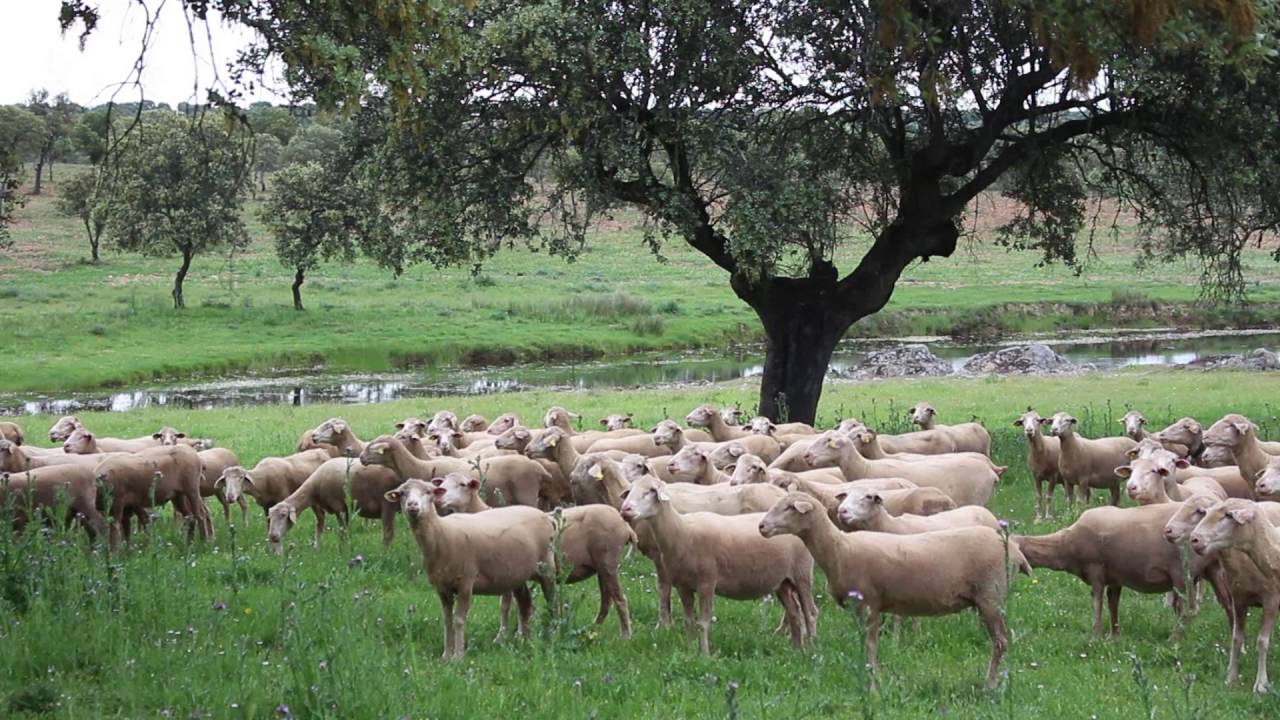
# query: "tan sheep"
764, 426
1268, 485
965, 437
726, 454
152, 478
900, 496
336, 487
1088, 463
1248, 587
669, 433
863, 509
558, 417
1112, 548
473, 423
307, 441
708, 555
1237, 434
750, 469
443, 419
1150, 480
1228, 477
336, 432
706, 416
508, 479
693, 465
62, 429
617, 422
273, 479
70, 487
641, 444
500, 424
935, 573
21, 458
965, 481
591, 539
489, 553
213, 464
83, 442
12, 432
1242, 525
869, 447
1042, 460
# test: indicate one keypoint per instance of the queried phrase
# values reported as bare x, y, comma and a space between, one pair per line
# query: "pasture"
350, 629
73, 325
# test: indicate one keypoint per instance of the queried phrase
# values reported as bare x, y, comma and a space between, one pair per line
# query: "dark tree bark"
298, 278
94, 231
178, 302
39, 173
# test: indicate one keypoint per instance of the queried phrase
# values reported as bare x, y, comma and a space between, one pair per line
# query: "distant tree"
313, 143
91, 133
85, 197
267, 153
58, 115
19, 137
176, 187
272, 120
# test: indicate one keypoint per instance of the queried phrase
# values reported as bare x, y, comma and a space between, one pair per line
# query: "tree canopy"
19, 136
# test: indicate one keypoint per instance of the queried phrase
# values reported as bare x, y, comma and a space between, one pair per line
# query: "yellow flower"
248, 611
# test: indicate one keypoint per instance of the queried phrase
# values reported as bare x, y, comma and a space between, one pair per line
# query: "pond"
302, 386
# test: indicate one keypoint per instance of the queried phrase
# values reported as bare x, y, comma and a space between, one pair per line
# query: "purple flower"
1004, 524
355, 562
283, 711
855, 596
219, 605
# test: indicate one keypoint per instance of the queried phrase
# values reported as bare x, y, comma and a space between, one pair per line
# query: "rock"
902, 361
1260, 359
1034, 359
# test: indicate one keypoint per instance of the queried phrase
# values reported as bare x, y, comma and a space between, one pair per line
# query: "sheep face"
474, 423
502, 424
446, 439
1188, 516
1224, 526
330, 431
62, 429
1185, 431
443, 419
280, 519
377, 452
724, 457
559, 417
1146, 447
1062, 425
762, 426
587, 482
825, 450
701, 417
8, 451
688, 465
415, 498
517, 438
545, 447
616, 422
730, 415
80, 442
922, 414
1145, 478
1229, 432
857, 506
666, 433
789, 516
308, 442
634, 467
233, 482
749, 470
455, 492
1269, 480
1030, 422
411, 426
848, 425
168, 436
1133, 422
644, 499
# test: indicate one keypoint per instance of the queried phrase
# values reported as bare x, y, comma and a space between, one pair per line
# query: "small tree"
177, 187
58, 115
19, 133
83, 197
312, 143
272, 120
266, 158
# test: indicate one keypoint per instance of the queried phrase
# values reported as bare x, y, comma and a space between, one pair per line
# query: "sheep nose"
1170, 536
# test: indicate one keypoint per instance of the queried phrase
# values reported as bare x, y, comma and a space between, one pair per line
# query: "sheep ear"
180, 435
474, 484
736, 450
604, 422
1181, 464
1017, 423
1194, 426
247, 480
1120, 420
1132, 454
831, 443
1046, 421
1074, 421
729, 469
1258, 475
803, 506
596, 472
1243, 427
1123, 471
156, 435
1242, 516
625, 493
221, 481
293, 514
437, 491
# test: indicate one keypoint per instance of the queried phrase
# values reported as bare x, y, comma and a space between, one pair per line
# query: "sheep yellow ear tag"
553, 440
831, 443
596, 472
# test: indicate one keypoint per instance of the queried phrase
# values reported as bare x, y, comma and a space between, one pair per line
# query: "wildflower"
355, 562
855, 596
219, 606
283, 711
1004, 524
248, 611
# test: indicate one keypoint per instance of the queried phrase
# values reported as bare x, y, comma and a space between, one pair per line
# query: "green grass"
138, 635
73, 325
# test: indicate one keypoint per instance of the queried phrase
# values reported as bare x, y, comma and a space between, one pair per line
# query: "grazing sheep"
273, 479
70, 487
11, 432
1237, 434
669, 433
489, 553
508, 479
1248, 587
326, 491
591, 539
336, 432
62, 429
965, 437
709, 555
308, 442
1150, 480
1084, 463
213, 464
935, 573
705, 416
1042, 459
1242, 525
473, 423
966, 481
152, 478
1112, 548
863, 509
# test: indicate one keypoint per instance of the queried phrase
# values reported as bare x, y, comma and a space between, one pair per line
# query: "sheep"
617, 422
1228, 477
213, 464
1042, 460
154, 477
705, 416
308, 442
70, 487
1135, 423
62, 429
1239, 435
693, 465
443, 419
501, 424
1088, 463
727, 453
863, 509
965, 437
709, 555
416, 439
11, 432
83, 442
669, 433
966, 481
414, 426
1248, 587
489, 553
508, 479
869, 447
326, 491
751, 469
558, 417
336, 432
1237, 524
273, 479
473, 423
21, 458
1150, 480
591, 539
643, 444
731, 416
935, 573
1111, 548
900, 496
764, 426
1268, 484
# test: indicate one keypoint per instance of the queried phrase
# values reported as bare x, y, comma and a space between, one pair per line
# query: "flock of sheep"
897, 523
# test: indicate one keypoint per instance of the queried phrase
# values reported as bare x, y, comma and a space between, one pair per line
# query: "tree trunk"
94, 231
178, 302
39, 174
298, 278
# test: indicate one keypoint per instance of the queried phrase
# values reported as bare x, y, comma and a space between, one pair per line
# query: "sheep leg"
244, 510
873, 643
686, 602
1053, 485
605, 598
664, 595
1115, 495
461, 608
1260, 684
389, 512
226, 508
1113, 608
706, 608
446, 619
804, 593
1239, 616
792, 614
504, 617
1097, 590
524, 609
620, 602
319, 525
994, 622
1039, 498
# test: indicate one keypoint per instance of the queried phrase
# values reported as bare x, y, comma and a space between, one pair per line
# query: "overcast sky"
34, 54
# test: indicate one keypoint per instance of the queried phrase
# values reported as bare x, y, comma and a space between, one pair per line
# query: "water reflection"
1114, 351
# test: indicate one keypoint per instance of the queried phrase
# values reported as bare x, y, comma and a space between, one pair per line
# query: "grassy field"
73, 325
352, 630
